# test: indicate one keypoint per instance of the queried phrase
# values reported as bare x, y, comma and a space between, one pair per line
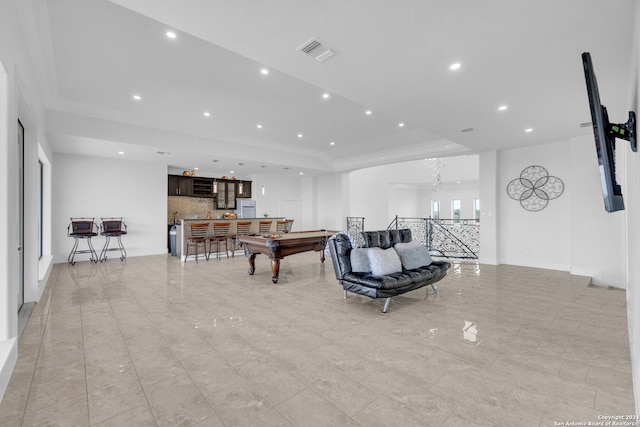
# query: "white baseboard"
8, 359
546, 266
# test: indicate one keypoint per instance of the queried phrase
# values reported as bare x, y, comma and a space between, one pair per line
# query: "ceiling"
392, 59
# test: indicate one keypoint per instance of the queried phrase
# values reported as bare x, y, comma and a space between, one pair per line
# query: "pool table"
278, 246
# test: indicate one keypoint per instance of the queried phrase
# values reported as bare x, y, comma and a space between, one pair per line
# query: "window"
476, 210
455, 210
435, 209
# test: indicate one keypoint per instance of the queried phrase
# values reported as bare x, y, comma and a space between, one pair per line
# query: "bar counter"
185, 231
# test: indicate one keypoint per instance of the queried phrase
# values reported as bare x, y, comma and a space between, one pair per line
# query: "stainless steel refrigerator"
245, 208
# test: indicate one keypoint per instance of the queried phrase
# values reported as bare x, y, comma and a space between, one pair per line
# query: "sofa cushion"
360, 260
413, 254
384, 261
385, 238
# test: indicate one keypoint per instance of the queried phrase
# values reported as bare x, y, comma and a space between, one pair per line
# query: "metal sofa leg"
345, 294
435, 290
386, 304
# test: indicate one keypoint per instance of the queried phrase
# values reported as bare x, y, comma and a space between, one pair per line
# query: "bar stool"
220, 235
280, 226
242, 229
82, 228
198, 236
264, 226
288, 225
113, 227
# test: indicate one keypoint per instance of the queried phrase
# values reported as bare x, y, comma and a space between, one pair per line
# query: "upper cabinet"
180, 185
226, 194
225, 191
243, 189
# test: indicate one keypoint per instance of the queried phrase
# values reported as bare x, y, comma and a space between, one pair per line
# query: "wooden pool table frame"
278, 246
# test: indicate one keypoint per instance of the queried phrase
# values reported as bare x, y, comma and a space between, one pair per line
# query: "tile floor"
156, 342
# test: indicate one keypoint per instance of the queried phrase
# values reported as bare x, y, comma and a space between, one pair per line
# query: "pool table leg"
275, 268
252, 263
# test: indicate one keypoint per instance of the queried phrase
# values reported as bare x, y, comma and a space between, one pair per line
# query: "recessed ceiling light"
528, 130
300, 135
195, 169
120, 152
332, 143
458, 182
325, 95
264, 71
502, 108
171, 34
301, 173
401, 125
137, 97
207, 114
368, 112
454, 66
231, 172
259, 126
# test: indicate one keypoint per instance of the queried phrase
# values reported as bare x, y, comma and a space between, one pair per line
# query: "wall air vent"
317, 50
586, 125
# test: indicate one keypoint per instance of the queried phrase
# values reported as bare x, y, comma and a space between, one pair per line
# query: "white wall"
330, 210
405, 201
631, 192
380, 193
368, 197
597, 237
100, 187
573, 233
543, 238
8, 305
489, 208
19, 99
276, 189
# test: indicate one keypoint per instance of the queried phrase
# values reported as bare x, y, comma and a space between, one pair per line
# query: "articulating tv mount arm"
626, 131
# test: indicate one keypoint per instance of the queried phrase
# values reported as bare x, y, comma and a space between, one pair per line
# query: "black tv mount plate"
626, 131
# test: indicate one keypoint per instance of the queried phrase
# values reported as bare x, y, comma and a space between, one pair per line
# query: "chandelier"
436, 165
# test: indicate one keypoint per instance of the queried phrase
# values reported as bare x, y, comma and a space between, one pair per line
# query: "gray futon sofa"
373, 269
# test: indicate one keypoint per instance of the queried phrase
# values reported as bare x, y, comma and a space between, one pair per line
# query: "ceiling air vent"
318, 51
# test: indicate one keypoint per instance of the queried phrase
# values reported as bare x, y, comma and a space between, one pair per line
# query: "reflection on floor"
153, 341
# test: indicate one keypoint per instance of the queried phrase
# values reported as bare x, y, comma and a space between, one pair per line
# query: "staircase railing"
449, 238
355, 224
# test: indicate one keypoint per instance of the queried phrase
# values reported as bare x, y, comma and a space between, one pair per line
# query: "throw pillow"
360, 260
384, 261
413, 254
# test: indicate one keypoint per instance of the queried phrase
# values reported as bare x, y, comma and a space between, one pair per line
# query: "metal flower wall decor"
535, 188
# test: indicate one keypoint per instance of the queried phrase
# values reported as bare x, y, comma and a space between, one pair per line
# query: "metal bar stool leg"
103, 254
123, 252
94, 254
72, 254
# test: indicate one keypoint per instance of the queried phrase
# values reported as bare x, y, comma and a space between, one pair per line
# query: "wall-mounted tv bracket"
625, 131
